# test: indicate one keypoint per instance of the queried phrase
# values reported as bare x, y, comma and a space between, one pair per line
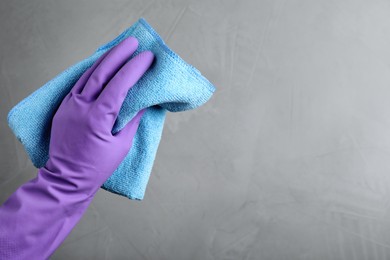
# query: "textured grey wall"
289, 160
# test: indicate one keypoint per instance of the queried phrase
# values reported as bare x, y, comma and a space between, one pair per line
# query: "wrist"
65, 183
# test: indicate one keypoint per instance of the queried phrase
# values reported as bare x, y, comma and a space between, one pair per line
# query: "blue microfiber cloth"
170, 84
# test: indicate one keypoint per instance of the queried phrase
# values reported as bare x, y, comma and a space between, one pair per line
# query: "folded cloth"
170, 84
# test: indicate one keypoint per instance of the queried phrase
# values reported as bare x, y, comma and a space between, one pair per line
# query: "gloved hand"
82, 147
83, 153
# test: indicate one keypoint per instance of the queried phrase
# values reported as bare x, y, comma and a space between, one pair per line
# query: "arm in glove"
83, 153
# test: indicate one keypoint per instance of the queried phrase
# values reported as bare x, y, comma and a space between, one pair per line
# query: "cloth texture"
170, 84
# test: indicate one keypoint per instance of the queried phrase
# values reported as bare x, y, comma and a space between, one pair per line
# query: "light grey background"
289, 160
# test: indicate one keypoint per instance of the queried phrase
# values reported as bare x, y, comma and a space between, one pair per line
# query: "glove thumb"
129, 131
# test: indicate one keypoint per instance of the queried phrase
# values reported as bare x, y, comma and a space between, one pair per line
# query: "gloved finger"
116, 58
128, 132
113, 95
78, 87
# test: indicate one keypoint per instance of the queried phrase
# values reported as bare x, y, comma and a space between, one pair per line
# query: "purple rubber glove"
83, 153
